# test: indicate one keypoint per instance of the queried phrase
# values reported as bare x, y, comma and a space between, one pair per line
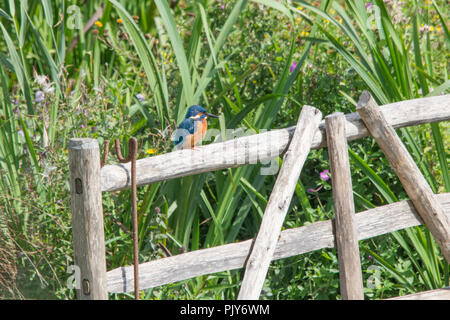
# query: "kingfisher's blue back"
185, 129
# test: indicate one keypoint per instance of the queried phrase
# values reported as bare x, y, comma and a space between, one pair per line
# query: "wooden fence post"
262, 252
413, 181
87, 218
346, 235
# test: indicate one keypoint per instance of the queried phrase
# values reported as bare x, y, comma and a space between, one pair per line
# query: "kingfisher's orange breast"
204, 127
199, 132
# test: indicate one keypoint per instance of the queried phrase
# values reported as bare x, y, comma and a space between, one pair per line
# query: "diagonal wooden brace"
415, 185
264, 246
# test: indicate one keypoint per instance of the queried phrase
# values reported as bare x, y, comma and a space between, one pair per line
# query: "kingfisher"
193, 128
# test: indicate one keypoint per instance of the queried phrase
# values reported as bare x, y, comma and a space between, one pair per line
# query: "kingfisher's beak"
209, 115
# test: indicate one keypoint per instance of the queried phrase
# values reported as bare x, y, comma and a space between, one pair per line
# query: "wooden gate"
88, 181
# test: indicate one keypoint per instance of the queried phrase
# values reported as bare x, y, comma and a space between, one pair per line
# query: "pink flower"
368, 5
324, 175
293, 66
425, 28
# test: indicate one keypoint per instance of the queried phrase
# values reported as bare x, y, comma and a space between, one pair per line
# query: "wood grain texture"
278, 204
264, 146
318, 235
87, 218
407, 171
436, 294
350, 274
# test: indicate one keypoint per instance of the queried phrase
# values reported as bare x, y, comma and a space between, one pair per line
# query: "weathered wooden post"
350, 273
87, 218
413, 181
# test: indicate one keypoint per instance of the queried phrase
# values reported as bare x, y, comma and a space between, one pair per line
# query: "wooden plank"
264, 146
87, 218
262, 250
295, 241
436, 294
407, 171
350, 274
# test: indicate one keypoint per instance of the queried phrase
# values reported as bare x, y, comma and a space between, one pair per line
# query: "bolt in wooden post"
346, 236
415, 185
262, 252
87, 218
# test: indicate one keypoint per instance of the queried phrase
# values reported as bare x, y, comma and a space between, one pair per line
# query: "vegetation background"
116, 69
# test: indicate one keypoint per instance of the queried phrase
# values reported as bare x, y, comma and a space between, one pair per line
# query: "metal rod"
105, 154
132, 153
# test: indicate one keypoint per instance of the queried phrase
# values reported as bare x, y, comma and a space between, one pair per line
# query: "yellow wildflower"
98, 24
119, 20
152, 151
299, 8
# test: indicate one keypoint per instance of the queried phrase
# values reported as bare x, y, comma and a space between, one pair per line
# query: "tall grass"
212, 201
29, 136
176, 57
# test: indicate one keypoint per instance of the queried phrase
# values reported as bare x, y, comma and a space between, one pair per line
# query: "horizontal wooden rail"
264, 146
436, 294
318, 235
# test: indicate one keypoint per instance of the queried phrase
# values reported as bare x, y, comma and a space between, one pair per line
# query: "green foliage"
143, 63
381, 55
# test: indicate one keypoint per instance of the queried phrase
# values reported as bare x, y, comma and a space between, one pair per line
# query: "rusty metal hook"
105, 154
132, 150
132, 154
